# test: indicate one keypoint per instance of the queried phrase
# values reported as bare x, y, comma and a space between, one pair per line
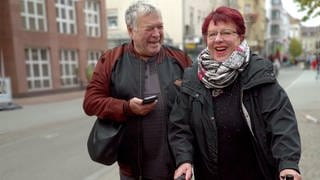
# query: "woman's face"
222, 40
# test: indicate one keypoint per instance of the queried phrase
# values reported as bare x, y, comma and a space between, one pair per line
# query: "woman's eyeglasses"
224, 34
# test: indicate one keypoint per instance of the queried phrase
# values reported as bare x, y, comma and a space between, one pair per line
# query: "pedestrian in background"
232, 119
126, 74
318, 66
276, 66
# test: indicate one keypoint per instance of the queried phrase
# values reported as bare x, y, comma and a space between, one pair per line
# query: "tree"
295, 48
312, 8
89, 72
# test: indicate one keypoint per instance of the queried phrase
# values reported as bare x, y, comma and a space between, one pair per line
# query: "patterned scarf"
217, 75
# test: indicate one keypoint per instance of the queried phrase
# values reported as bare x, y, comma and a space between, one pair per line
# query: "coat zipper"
140, 128
245, 113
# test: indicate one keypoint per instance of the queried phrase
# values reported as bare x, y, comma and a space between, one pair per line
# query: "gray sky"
292, 9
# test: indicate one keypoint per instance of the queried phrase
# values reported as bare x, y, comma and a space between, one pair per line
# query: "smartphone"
149, 99
182, 177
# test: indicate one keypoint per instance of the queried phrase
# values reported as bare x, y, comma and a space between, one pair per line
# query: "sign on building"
5, 90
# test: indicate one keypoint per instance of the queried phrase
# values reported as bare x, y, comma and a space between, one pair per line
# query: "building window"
247, 9
66, 16
112, 19
275, 30
38, 68
275, 15
199, 19
93, 57
191, 16
275, 2
33, 15
92, 18
69, 68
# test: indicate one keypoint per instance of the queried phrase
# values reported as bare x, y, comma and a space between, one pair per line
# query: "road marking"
307, 116
293, 82
50, 136
96, 175
311, 118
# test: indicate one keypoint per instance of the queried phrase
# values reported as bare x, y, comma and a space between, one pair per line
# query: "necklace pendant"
216, 92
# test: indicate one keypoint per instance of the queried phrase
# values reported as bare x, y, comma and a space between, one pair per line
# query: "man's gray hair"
139, 9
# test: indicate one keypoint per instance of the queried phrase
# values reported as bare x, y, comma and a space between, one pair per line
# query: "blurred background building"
47, 46
311, 39
254, 13
182, 22
278, 30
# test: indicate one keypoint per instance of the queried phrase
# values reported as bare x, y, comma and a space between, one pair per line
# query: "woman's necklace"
216, 92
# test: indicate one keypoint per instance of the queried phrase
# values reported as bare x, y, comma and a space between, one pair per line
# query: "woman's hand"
186, 169
293, 172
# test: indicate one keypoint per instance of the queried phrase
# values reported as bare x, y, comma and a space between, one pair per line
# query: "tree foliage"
311, 7
295, 48
89, 72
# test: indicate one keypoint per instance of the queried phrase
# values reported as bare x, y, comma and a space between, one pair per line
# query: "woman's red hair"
224, 14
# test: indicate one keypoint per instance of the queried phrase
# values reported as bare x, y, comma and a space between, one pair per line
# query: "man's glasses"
224, 34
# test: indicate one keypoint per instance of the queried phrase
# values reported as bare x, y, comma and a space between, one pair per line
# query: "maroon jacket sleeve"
97, 100
183, 59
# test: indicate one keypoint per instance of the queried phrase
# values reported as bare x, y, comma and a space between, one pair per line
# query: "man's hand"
136, 106
185, 168
285, 172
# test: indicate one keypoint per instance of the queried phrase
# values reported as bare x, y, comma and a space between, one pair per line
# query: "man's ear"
130, 31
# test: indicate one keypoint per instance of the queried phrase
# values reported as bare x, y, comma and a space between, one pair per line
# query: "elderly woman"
232, 120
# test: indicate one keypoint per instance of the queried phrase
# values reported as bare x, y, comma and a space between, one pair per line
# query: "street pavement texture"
308, 116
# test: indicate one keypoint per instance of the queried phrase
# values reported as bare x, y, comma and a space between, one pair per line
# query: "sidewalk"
40, 111
70, 108
49, 98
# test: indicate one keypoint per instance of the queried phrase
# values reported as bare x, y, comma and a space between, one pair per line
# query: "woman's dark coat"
266, 108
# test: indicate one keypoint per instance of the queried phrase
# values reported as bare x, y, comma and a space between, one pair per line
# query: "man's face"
148, 36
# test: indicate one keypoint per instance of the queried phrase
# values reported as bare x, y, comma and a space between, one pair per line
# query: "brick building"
47, 45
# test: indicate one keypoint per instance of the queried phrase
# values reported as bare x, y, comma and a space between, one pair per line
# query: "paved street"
46, 139
304, 93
